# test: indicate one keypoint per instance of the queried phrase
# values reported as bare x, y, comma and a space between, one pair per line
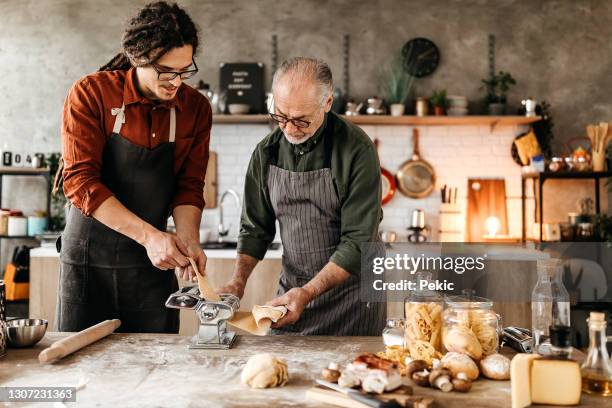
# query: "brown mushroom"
441, 378
462, 385
421, 378
416, 365
330, 375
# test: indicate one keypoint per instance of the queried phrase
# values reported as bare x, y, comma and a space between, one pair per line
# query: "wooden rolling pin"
77, 341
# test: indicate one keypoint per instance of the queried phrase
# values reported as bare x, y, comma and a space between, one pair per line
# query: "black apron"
308, 211
106, 275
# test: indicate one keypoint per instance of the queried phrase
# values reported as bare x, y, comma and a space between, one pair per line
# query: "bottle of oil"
597, 370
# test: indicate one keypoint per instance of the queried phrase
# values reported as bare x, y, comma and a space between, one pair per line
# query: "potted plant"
497, 87
439, 101
396, 84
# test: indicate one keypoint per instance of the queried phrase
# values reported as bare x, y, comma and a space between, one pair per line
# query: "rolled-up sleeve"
83, 142
361, 210
257, 222
190, 178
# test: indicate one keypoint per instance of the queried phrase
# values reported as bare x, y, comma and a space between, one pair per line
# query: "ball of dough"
495, 367
264, 371
460, 363
462, 340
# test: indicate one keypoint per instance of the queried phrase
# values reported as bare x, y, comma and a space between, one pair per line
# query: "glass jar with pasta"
470, 326
423, 318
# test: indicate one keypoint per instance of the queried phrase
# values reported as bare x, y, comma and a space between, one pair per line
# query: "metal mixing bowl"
25, 332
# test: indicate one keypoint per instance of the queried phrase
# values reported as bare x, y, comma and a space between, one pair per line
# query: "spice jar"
4, 216
470, 326
422, 106
423, 317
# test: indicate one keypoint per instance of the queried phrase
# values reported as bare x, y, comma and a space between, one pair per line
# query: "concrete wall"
557, 50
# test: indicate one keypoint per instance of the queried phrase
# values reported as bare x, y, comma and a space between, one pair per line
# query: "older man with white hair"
319, 176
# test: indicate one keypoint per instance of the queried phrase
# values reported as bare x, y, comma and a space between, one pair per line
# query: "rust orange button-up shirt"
87, 124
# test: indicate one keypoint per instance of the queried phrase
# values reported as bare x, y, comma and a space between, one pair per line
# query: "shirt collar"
314, 140
131, 94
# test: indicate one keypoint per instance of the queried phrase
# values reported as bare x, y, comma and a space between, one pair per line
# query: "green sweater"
356, 175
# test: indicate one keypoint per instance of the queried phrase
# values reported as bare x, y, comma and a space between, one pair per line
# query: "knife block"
452, 225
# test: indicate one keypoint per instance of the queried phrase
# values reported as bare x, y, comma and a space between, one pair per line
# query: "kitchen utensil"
388, 237
416, 177
352, 108
365, 399
375, 106
212, 316
387, 180
518, 338
238, 108
77, 341
25, 332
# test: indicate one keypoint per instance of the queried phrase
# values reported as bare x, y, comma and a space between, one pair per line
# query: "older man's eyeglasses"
164, 75
283, 120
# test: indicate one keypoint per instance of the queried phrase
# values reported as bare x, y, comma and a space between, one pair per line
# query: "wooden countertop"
136, 370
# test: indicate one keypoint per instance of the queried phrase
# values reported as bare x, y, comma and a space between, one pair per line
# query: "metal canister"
2, 318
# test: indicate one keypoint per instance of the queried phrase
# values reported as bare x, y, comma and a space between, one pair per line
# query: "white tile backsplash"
456, 153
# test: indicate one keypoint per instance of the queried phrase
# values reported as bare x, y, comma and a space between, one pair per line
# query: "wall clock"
420, 57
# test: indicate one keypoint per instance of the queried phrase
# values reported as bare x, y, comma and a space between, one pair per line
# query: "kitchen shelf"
538, 187
32, 237
10, 171
469, 120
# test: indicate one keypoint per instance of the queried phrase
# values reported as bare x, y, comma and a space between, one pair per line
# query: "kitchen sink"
231, 245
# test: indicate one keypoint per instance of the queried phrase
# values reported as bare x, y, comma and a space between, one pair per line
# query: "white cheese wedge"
520, 379
555, 382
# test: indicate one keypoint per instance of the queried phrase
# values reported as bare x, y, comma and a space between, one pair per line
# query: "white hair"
302, 69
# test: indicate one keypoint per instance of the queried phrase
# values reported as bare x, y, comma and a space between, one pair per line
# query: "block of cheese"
520, 379
555, 382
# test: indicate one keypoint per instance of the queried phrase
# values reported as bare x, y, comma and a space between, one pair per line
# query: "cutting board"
486, 198
332, 397
210, 181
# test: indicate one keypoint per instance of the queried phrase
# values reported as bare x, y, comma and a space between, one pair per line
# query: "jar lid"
471, 302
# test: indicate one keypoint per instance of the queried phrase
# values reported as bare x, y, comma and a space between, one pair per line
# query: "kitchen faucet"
221, 229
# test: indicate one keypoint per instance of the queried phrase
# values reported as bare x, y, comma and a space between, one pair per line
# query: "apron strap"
328, 140
172, 125
119, 114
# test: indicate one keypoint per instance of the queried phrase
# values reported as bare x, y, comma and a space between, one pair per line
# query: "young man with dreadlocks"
135, 148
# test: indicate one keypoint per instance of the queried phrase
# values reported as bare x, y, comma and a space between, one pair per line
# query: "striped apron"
308, 210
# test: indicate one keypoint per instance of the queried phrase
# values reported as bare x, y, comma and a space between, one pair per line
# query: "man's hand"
234, 286
295, 300
165, 250
195, 252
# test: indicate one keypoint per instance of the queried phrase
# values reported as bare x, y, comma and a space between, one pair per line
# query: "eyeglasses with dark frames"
170, 75
283, 120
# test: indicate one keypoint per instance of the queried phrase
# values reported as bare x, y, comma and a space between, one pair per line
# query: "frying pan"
416, 177
387, 180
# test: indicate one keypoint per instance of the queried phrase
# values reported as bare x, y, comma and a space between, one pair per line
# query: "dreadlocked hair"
156, 29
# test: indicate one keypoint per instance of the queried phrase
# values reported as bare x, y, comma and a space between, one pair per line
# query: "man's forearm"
116, 216
330, 276
187, 220
244, 266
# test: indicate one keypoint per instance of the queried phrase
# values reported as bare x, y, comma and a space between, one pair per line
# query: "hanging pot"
387, 180
416, 177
